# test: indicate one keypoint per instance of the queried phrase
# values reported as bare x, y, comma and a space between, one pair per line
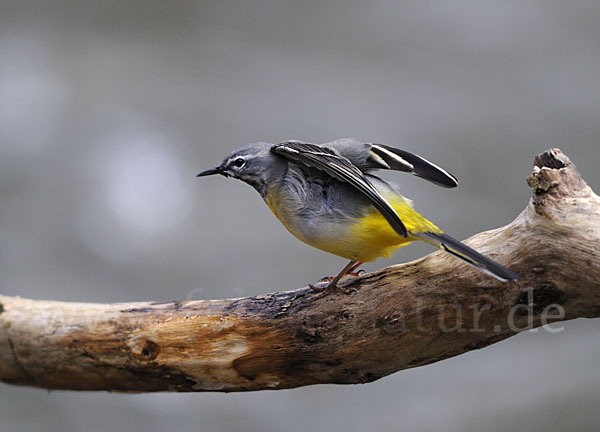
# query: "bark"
399, 317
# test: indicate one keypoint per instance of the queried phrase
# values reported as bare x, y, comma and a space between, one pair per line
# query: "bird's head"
254, 164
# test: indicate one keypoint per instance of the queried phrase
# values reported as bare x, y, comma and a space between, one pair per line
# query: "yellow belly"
367, 238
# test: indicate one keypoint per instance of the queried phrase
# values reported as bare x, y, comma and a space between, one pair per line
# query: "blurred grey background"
108, 109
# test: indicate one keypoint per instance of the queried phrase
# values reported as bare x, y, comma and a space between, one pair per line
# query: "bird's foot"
329, 289
317, 288
326, 279
356, 273
331, 278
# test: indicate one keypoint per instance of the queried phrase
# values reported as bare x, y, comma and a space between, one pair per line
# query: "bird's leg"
332, 286
350, 272
332, 280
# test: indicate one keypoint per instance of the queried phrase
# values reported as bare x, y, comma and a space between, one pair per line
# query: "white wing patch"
378, 151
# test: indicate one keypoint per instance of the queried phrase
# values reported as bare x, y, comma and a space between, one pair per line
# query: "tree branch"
400, 317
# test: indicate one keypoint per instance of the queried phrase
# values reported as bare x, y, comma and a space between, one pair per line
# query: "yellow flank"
378, 239
367, 238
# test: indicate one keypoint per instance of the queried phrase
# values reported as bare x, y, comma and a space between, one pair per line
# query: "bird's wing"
368, 156
331, 163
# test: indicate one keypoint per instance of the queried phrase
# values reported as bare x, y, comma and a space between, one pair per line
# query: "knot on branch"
553, 158
554, 172
556, 184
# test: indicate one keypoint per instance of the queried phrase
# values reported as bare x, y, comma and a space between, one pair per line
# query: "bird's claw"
317, 288
344, 290
328, 289
330, 278
326, 279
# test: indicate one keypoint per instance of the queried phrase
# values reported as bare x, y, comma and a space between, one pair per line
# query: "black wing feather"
409, 162
342, 169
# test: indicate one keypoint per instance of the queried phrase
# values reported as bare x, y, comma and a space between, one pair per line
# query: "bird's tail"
468, 255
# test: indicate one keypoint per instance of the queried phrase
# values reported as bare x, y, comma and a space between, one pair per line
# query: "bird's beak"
212, 171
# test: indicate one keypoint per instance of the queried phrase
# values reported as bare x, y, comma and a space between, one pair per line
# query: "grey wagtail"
327, 196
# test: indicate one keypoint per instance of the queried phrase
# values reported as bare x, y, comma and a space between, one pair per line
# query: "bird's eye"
239, 162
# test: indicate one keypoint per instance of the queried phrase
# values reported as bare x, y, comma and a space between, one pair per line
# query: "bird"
327, 196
